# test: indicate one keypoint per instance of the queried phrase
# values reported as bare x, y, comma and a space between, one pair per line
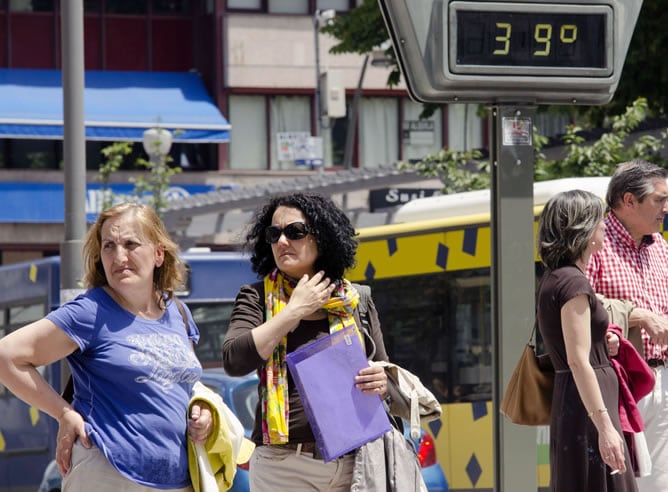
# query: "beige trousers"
272, 469
91, 470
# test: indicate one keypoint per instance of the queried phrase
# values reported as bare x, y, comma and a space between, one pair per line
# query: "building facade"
258, 62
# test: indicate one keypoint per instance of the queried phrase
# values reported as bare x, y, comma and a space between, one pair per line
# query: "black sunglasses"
294, 231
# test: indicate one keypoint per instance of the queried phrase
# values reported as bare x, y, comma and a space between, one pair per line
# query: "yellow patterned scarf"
274, 375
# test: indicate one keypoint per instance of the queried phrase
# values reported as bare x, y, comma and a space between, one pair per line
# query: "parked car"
432, 473
240, 394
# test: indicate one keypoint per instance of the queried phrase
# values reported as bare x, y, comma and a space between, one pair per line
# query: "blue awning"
117, 106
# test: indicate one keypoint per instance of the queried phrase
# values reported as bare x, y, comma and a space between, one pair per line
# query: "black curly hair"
328, 224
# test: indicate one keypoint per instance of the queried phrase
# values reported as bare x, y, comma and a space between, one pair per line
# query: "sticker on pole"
516, 131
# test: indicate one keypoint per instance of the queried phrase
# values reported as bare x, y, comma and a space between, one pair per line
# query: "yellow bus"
430, 278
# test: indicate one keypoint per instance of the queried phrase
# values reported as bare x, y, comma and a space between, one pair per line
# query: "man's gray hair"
636, 177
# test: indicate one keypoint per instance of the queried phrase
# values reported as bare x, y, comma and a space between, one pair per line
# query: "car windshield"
245, 400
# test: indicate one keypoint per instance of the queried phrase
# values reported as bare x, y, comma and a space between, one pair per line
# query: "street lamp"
320, 18
157, 142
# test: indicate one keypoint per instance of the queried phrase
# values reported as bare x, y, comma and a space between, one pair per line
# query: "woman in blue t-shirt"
131, 359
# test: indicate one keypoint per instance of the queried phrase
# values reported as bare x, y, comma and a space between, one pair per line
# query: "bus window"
438, 327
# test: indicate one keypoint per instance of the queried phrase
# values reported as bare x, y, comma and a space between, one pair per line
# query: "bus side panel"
464, 445
459, 255
27, 437
27, 440
217, 277
426, 253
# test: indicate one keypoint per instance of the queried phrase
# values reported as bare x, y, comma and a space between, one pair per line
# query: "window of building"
244, 4
419, 137
31, 5
339, 132
464, 127
551, 124
34, 154
291, 6
378, 132
172, 7
126, 7
338, 5
288, 114
91, 6
248, 143
288, 6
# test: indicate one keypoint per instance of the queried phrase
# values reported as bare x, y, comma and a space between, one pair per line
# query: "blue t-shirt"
133, 379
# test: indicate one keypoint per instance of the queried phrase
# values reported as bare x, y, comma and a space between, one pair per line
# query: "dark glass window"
441, 332
92, 6
128, 7
31, 6
172, 7
33, 154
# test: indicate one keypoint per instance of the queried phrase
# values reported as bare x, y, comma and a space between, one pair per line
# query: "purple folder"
342, 417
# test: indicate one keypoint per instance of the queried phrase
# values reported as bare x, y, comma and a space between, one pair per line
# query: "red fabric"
637, 274
636, 380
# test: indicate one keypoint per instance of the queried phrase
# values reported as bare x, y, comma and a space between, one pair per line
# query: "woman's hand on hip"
71, 427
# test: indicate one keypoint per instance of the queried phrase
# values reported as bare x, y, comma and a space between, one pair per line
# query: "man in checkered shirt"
633, 266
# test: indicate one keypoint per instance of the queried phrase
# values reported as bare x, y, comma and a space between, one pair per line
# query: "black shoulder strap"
363, 309
363, 306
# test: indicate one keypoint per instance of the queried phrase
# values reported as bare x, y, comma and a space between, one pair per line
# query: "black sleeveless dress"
575, 462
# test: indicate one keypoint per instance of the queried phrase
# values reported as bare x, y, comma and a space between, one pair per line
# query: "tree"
602, 156
156, 183
360, 31
459, 171
151, 187
645, 72
114, 155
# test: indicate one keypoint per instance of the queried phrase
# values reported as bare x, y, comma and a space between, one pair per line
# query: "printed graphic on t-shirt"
167, 360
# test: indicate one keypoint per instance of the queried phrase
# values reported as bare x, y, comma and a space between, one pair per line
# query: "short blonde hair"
166, 279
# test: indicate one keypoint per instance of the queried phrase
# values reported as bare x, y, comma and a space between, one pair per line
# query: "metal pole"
513, 286
352, 126
352, 121
74, 148
318, 110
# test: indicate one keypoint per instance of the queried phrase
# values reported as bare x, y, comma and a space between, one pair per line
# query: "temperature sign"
530, 39
521, 51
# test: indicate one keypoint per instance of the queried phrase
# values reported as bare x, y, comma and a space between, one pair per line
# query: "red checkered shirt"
637, 274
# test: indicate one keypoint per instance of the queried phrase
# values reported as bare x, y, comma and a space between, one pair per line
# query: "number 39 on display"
542, 35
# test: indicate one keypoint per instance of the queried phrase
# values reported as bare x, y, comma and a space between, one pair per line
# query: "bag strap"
532, 336
364, 292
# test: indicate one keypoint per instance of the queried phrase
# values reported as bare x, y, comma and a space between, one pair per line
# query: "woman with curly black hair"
301, 246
